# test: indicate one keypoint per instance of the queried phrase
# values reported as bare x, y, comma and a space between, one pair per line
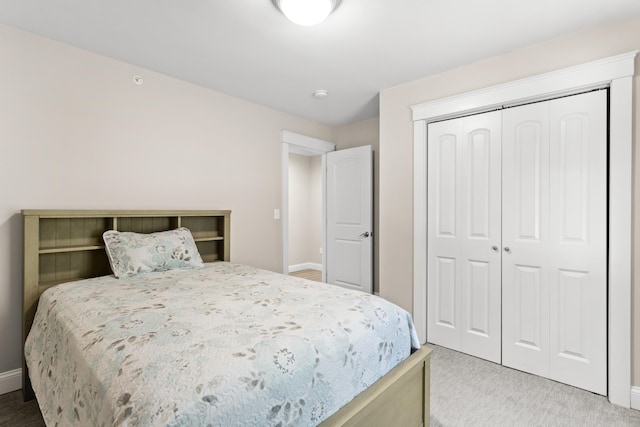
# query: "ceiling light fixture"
306, 12
320, 94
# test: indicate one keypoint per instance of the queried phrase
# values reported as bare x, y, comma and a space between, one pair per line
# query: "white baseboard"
305, 266
10, 381
635, 398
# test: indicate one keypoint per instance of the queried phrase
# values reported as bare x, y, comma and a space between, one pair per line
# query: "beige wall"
366, 132
75, 132
298, 208
396, 142
305, 209
316, 229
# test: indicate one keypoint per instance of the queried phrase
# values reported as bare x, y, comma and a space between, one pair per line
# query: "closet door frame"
616, 73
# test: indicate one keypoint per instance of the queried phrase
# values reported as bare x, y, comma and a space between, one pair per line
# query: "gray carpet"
466, 391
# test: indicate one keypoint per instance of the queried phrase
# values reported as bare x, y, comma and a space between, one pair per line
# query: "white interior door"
464, 232
554, 237
350, 218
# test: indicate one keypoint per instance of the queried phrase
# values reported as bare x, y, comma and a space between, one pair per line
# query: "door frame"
302, 144
617, 74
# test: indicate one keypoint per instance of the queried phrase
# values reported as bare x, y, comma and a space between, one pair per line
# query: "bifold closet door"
463, 249
554, 157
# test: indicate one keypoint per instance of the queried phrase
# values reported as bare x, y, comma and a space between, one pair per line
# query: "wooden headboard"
66, 245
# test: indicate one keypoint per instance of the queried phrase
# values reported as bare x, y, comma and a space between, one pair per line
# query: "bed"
263, 348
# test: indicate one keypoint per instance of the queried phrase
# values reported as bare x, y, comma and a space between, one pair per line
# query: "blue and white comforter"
225, 345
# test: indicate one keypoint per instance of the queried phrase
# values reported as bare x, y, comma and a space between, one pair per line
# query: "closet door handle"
495, 248
507, 249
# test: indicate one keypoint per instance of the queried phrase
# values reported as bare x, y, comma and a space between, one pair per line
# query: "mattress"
224, 345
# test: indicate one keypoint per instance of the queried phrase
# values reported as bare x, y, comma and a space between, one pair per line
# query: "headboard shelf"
208, 239
59, 249
66, 245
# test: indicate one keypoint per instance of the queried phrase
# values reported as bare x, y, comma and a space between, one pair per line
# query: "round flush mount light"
306, 12
320, 94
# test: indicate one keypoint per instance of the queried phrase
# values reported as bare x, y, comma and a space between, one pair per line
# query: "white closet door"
525, 238
554, 237
464, 235
444, 248
578, 241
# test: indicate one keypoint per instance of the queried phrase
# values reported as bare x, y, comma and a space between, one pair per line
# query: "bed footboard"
400, 398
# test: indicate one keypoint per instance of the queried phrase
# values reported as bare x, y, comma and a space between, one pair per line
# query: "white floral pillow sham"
134, 253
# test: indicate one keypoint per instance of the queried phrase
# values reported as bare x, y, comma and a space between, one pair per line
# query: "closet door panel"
478, 313
478, 191
571, 309
447, 183
525, 337
444, 249
481, 232
464, 230
447, 222
525, 238
528, 292
528, 152
579, 240
445, 293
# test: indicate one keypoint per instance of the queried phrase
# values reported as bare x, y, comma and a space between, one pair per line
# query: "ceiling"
248, 49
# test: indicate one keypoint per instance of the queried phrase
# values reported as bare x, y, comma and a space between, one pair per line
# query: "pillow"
134, 253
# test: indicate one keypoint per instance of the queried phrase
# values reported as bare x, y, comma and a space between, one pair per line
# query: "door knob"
495, 248
507, 249
364, 235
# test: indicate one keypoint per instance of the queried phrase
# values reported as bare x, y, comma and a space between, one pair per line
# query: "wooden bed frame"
66, 245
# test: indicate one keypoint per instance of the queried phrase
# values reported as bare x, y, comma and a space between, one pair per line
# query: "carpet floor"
465, 392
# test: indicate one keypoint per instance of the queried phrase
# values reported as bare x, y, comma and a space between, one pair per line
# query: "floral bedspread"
225, 345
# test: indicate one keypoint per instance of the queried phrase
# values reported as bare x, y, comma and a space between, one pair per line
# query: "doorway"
346, 210
305, 216
295, 149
